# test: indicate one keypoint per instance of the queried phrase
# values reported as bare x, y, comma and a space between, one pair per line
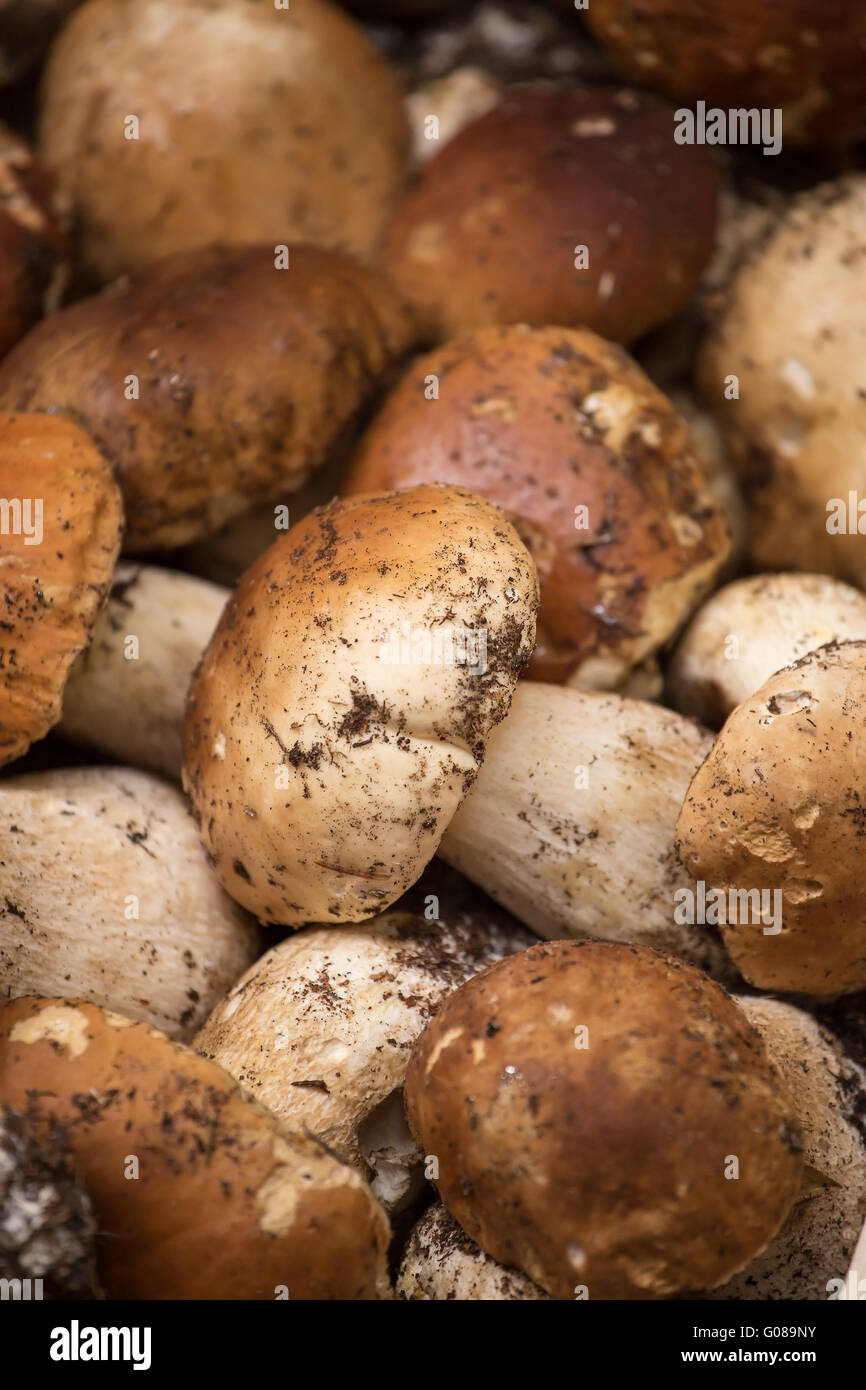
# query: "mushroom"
592, 465
751, 629
204, 1193
107, 896
788, 388
213, 380
829, 1096
321, 1027
605, 1119
440, 1263
126, 693
60, 542
323, 758
570, 206
33, 225
855, 1284
47, 1225
288, 127
810, 62
773, 824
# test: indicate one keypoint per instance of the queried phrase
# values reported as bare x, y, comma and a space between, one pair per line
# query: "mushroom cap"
288, 127
750, 629
808, 60
795, 431
604, 1165
490, 233
227, 1204
246, 377
441, 1263
545, 422
778, 807
107, 896
60, 538
33, 218
829, 1095
340, 712
321, 1027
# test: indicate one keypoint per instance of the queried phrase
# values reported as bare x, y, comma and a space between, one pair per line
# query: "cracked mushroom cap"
809, 60
321, 1027
227, 1203
340, 713
592, 465
62, 520
829, 1094
749, 630
777, 809
288, 127
795, 431
441, 1263
33, 224
213, 380
107, 895
492, 231
585, 1102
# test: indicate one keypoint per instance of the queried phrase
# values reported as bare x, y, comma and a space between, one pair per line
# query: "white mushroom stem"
107, 896
126, 694
570, 823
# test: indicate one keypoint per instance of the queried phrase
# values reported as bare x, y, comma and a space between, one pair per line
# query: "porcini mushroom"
592, 465
604, 1118
570, 206
752, 628
774, 817
213, 380
60, 542
204, 1193
441, 1263
289, 127
107, 896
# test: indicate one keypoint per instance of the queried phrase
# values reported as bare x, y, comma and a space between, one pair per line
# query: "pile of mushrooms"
432, 654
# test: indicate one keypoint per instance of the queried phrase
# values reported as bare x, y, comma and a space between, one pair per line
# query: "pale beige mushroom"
106, 895
441, 1262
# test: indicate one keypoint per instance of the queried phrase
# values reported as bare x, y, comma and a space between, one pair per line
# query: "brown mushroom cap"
32, 239
604, 1165
323, 757
808, 59
59, 545
544, 422
246, 376
227, 1204
490, 233
778, 807
287, 127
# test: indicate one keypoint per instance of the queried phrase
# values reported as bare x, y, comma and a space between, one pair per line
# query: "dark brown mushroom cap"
246, 377
491, 230
227, 1204
60, 542
605, 1165
544, 422
808, 59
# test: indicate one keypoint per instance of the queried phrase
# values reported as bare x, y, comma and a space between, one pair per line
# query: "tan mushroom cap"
213, 380
340, 713
592, 465
441, 1263
492, 232
227, 1204
33, 226
796, 429
599, 1159
320, 1029
828, 1090
749, 630
777, 808
807, 59
106, 895
61, 527
288, 126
